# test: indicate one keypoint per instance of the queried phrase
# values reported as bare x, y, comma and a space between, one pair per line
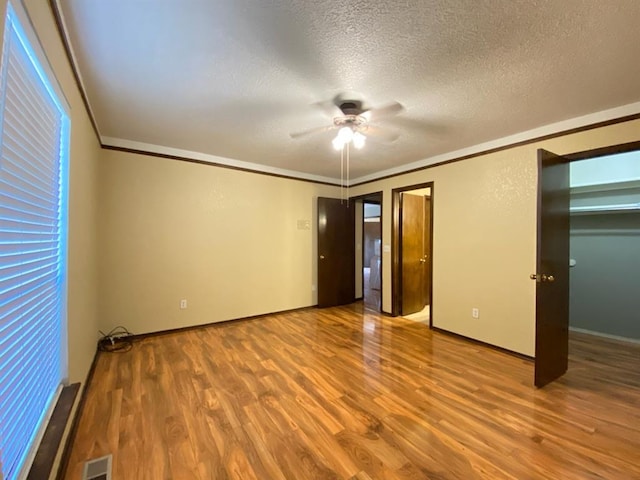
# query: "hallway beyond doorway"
422, 316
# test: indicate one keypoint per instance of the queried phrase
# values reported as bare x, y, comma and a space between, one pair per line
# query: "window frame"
17, 19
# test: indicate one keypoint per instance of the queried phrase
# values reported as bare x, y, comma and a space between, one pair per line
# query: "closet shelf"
606, 187
601, 209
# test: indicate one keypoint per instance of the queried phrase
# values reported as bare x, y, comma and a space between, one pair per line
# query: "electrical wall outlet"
475, 313
183, 304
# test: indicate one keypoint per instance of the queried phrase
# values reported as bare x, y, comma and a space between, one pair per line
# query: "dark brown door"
552, 274
336, 252
412, 252
427, 251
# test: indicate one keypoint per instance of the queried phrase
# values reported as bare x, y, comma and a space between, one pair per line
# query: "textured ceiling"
233, 78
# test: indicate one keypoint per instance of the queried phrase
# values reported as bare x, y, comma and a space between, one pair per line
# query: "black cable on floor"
117, 340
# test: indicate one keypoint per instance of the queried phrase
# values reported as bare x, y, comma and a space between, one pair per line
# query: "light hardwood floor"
345, 393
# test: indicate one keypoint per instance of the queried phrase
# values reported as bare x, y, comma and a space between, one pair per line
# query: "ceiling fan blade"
329, 108
389, 110
381, 134
418, 125
311, 131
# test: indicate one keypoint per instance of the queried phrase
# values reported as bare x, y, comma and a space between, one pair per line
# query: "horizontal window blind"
34, 131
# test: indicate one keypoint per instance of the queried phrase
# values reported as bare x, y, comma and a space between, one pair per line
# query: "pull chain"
342, 174
348, 173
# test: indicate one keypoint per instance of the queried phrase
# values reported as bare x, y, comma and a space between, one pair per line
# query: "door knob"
422, 260
321, 257
542, 277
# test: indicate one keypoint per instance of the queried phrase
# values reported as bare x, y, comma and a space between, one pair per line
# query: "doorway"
371, 251
605, 246
412, 252
552, 272
336, 252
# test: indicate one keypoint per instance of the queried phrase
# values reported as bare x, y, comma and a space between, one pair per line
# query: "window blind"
34, 132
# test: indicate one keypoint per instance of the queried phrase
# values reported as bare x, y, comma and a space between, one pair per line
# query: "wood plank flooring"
345, 393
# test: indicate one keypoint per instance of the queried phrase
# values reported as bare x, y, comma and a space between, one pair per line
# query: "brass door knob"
321, 257
542, 277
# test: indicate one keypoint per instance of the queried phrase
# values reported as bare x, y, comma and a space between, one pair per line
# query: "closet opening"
605, 246
605, 263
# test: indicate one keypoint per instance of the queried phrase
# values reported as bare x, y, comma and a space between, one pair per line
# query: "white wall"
623, 167
371, 210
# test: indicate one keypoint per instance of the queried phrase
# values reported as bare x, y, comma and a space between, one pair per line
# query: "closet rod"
620, 208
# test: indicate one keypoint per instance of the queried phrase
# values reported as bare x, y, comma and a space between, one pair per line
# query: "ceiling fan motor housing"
352, 107
353, 118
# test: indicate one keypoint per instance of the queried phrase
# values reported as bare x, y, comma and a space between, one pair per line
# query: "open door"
427, 251
412, 252
552, 274
336, 252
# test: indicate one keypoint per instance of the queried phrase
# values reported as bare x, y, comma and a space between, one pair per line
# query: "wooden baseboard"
140, 336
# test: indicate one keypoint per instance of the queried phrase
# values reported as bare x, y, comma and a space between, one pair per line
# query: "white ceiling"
227, 81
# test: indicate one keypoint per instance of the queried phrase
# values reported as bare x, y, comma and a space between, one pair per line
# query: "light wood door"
552, 273
412, 253
336, 252
426, 248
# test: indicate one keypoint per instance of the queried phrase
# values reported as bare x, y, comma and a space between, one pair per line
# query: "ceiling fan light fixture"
345, 134
359, 140
350, 123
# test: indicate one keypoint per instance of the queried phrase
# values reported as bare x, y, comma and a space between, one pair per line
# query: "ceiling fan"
355, 123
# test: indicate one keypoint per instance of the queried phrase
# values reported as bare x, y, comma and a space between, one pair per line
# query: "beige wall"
227, 241
485, 237
224, 240
82, 317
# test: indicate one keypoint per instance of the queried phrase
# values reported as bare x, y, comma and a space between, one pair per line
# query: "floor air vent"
97, 469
